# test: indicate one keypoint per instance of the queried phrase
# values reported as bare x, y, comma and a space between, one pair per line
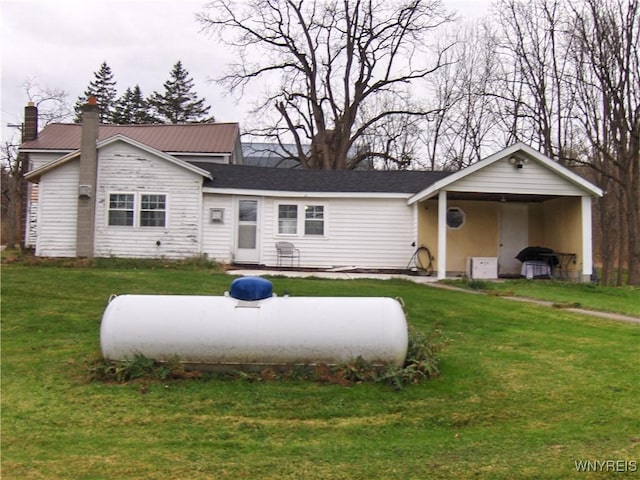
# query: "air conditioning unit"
482, 267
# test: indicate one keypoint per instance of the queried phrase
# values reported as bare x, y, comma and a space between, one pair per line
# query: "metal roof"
301, 180
182, 138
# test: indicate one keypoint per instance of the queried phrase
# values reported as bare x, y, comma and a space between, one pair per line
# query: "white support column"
442, 235
587, 240
416, 223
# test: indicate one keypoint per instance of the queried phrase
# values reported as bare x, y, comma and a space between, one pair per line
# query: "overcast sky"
60, 44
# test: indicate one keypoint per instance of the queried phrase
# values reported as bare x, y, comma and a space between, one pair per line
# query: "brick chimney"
85, 231
20, 229
30, 126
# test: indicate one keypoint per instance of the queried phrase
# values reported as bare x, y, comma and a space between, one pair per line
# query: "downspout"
85, 229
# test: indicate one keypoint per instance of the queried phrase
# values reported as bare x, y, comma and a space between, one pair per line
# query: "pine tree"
179, 103
132, 108
103, 87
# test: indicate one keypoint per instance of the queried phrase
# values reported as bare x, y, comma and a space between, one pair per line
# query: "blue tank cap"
251, 288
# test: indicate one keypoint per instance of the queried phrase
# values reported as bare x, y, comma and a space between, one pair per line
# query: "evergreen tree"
103, 87
132, 108
179, 103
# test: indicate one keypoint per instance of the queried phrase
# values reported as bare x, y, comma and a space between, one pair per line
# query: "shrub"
198, 262
138, 367
421, 364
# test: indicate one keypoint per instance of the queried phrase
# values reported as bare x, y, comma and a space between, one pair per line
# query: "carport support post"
442, 235
587, 240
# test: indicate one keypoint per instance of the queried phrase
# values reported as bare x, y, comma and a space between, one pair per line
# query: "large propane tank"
249, 327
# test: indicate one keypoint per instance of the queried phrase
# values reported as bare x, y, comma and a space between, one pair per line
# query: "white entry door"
247, 240
514, 236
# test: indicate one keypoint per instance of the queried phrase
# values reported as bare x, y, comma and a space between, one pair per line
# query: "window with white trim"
287, 219
153, 210
314, 220
298, 219
143, 210
121, 209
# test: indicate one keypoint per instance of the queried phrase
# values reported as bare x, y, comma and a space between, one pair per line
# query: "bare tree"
471, 125
52, 103
335, 63
462, 124
607, 58
13, 169
444, 96
535, 73
395, 140
52, 107
571, 87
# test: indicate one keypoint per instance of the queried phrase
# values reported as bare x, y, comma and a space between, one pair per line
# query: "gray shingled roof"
296, 180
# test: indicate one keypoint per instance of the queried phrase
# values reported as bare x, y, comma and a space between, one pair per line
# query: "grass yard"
525, 392
624, 300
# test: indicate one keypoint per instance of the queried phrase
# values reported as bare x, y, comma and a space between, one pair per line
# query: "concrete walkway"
608, 315
431, 281
335, 275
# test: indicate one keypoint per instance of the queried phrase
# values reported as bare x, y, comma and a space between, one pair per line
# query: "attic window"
455, 218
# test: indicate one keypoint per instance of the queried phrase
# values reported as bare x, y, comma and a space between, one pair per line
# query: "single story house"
176, 191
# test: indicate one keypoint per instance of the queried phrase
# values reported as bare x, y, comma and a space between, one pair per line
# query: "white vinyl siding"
210, 158
217, 237
365, 232
57, 212
123, 168
36, 160
503, 177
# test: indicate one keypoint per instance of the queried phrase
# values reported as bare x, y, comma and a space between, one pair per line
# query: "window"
130, 209
455, 218
314, 220
153, 210
300, 219
121, 208
287, 219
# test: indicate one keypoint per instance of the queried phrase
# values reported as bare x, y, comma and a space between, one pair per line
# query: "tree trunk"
14, 212
607, 239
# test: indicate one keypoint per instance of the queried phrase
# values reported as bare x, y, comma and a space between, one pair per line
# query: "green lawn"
525, 392
623, 300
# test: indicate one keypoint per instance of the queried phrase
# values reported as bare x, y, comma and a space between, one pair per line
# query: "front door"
514, 236
247, 240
